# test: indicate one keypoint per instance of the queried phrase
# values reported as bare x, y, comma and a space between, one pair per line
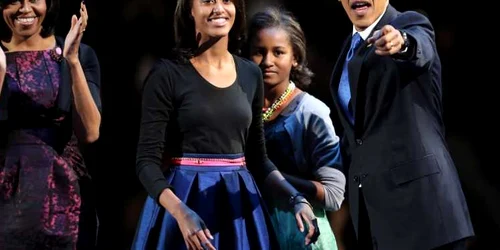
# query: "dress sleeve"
157, 106
255, 151
91, 69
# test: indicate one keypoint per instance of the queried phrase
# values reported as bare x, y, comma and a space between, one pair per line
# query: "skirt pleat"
226, 198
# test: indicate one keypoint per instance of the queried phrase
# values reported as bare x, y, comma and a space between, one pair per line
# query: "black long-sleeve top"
184, 113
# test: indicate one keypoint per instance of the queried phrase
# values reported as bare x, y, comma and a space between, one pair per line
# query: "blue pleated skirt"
225, 197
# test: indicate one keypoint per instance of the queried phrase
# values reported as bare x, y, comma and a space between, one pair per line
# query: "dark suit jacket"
397, 147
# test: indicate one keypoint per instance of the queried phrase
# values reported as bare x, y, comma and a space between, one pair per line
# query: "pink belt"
208, 162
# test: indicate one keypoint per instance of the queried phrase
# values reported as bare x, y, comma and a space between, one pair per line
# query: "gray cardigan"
316, 146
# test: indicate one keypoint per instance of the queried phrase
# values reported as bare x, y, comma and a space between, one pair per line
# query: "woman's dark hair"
184, 28
48, 25
274, 17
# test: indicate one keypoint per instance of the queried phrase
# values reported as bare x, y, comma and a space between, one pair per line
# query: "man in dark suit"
404, 191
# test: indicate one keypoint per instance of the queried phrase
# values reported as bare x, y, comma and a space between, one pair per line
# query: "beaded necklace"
268, 112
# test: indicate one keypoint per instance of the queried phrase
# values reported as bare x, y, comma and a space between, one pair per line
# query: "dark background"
129, 35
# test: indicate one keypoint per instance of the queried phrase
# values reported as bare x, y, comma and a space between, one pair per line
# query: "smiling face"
25, 17
363, 13
213, 18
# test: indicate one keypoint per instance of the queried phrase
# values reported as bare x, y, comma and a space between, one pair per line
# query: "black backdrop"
128, 35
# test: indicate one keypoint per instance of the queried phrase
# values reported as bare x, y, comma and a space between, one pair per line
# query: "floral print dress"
39, 158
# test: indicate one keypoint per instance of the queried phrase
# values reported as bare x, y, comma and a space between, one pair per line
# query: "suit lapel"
357, 85
337, 72
390, 14
355, 67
